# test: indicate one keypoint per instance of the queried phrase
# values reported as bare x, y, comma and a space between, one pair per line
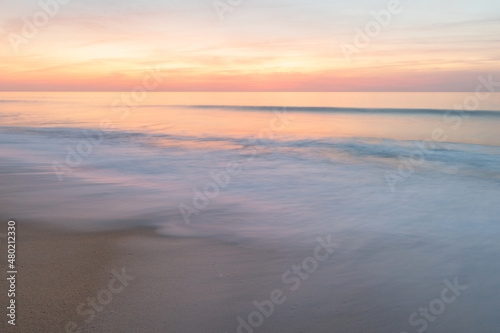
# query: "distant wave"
338, 109
20, 101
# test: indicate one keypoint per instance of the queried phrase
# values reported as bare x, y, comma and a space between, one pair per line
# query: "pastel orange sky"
286, 45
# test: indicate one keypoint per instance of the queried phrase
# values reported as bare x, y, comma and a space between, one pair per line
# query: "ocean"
304, 163
406, 184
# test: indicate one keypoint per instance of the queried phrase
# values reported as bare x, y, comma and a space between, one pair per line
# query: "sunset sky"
280, 45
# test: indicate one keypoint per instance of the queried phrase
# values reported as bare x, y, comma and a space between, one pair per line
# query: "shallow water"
296, 170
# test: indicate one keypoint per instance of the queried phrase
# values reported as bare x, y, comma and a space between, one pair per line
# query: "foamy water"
295, 170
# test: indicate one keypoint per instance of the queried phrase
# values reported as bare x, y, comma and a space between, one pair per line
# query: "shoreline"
131, 280
134, 280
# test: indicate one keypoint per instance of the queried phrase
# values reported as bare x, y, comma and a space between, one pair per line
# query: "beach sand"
56, 271
180, 285
173, 285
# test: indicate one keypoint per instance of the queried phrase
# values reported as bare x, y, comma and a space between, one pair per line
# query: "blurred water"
408, 189
298, 171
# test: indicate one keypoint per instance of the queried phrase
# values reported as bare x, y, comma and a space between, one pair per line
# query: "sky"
248, 45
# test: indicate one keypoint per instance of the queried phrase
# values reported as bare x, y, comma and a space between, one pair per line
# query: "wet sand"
167, 285
56, 271
136, 281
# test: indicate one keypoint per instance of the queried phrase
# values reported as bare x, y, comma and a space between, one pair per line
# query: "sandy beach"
136, 281
56, 271
65, 280
172, 285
